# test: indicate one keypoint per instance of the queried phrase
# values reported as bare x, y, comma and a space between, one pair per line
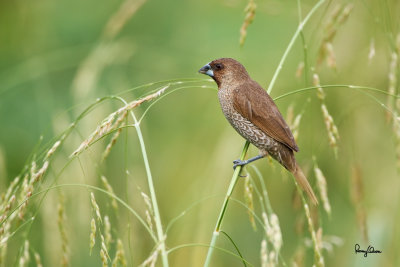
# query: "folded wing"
253, 103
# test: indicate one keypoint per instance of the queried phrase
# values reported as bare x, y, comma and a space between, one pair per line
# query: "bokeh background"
58, 57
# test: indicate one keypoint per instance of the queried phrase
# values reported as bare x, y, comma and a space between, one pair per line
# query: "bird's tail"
302, 180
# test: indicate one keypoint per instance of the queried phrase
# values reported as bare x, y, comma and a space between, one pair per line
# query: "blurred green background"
58, 57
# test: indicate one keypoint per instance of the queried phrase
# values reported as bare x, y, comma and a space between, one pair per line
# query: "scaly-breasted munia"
254, 115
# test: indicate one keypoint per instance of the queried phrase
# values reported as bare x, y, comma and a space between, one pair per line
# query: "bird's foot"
239, 162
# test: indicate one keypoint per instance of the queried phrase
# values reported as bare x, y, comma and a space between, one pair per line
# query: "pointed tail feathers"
302, 181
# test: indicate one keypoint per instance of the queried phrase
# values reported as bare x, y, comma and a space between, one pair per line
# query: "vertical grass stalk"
291, 43
157, 217
225, 205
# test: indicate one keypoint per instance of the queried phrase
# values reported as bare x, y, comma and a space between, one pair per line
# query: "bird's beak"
206, 69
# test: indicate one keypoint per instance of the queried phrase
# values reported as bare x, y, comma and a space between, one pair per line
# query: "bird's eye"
218, 66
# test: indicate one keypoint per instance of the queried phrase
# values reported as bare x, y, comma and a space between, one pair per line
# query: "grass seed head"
53, 149
107, 232
120, 18
149, 220
107, 125
24, 260
276, 234
104, 246
333, 133
316, 83
319, 260
323, 189
147, 201
357, 196
296, 126
300, 69
103, 257
372, 50
337, 18
39, 174
92, 234
152, 259
61, 227
38, 261
392, 77
95, 207
264, 253
250, 11
110, 190
119, 255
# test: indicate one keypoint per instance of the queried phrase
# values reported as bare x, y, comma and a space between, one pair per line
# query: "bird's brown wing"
253, 103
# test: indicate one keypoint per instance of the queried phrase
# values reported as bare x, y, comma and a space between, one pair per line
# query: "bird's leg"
239, 162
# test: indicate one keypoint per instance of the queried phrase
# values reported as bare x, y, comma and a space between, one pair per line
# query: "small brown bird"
254, 115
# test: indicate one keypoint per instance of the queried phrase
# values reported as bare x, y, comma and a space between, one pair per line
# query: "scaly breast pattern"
242, 125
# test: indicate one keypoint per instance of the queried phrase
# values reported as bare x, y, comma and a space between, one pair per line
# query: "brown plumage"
254, 115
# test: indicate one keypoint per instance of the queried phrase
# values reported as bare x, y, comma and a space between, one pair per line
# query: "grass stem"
157, 218
225, 205
291, 43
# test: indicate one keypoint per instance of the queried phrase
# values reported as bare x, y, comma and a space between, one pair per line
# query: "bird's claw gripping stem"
239, 162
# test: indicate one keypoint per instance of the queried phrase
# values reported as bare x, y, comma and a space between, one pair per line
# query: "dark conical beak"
206, 69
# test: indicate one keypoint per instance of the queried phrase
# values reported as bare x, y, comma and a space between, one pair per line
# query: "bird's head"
225, 71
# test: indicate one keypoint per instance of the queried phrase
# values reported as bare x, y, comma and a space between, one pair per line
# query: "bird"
254, 115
